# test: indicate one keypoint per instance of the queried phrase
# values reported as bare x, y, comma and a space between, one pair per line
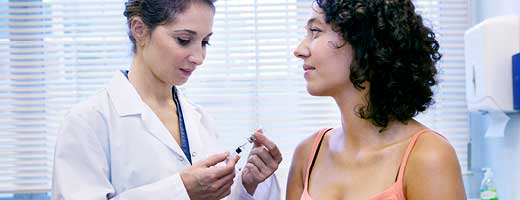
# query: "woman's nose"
301, 50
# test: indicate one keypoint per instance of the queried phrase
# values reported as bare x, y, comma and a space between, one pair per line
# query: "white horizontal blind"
55, 53
251, 77
449, 19
52, 55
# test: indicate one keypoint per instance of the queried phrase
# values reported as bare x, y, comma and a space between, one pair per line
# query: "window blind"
449, 19
54, 54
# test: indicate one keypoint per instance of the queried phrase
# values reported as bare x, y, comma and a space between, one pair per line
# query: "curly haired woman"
376, 59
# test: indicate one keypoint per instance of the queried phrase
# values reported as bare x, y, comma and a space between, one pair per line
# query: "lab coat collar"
192, 119
123, 95
127, 102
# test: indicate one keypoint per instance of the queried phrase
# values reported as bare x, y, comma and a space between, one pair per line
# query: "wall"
501, 154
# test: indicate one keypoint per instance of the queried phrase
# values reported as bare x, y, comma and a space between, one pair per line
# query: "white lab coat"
113, 146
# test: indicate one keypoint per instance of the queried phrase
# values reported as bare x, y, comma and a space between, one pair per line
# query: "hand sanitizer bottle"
487, 187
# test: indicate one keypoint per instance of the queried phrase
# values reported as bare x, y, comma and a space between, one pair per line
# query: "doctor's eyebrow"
191, 32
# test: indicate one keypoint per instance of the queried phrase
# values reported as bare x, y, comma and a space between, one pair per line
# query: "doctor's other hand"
263, 160
206, 180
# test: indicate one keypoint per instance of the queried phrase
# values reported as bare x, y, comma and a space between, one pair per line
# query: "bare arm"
296, 178
433, 171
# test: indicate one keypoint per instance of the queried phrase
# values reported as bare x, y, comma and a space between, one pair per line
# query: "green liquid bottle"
488, 190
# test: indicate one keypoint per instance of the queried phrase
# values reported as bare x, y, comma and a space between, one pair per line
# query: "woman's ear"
139, 31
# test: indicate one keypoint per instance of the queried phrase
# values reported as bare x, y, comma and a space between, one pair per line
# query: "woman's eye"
183, 42
314, 32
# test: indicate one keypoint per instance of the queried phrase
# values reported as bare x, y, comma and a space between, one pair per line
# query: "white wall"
503, 154
491, 8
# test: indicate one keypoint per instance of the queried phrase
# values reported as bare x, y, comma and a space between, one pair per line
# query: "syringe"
239, 149
250, 140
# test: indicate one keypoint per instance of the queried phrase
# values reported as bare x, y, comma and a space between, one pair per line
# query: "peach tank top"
394, 192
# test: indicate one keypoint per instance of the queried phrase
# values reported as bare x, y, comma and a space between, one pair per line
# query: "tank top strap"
313, 153
411, 144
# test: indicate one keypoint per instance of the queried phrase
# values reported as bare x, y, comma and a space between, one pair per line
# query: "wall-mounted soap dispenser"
489, 50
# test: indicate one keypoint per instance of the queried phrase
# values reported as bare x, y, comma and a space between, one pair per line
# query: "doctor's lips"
308, 67
187, 71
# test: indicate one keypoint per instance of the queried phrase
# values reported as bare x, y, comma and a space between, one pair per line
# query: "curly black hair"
393, 51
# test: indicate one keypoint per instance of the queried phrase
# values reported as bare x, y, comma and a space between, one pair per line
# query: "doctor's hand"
205, 180
262, 162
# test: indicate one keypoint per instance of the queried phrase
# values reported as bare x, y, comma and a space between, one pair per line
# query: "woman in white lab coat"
139, 138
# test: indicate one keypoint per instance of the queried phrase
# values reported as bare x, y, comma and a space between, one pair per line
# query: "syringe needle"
240, 147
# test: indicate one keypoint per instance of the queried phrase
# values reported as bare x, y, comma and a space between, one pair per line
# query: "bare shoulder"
301, 156
302, 153
433, 170
432, 149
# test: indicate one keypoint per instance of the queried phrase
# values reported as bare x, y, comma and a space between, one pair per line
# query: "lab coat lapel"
192, 120
128, 102
155, 127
